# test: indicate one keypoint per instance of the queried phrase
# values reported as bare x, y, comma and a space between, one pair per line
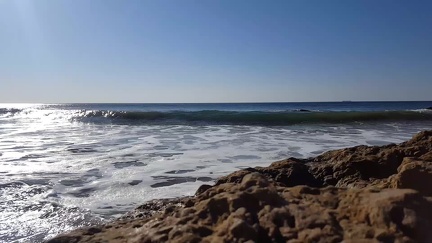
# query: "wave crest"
210, 117
9, 111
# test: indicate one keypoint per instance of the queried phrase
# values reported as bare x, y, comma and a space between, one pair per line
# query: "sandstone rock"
359, 194
297, 214
289, 172
202, 189
415, 174
153, 207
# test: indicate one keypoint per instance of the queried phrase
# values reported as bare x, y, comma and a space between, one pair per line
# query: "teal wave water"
249, 117
235, 113
276, 106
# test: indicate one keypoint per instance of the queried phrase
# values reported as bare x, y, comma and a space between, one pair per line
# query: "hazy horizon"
214, 51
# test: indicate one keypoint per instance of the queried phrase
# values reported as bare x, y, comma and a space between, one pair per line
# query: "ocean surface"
67, 165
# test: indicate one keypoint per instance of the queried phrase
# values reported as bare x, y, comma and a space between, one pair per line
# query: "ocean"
64, 166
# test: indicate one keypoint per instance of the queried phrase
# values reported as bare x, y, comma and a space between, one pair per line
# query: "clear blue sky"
214, 51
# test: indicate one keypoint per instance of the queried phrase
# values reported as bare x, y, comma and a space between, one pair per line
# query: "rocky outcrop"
358, 167
359, 194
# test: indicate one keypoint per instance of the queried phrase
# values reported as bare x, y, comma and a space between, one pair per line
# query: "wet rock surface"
359, 194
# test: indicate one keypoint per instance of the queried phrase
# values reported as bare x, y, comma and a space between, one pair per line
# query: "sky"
214, 51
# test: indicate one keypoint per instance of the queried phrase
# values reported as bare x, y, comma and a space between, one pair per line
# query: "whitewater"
64, 166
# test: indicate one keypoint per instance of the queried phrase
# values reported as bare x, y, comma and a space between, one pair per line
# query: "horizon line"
236, 102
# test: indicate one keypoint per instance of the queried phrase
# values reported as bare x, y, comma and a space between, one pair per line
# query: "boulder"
415, 174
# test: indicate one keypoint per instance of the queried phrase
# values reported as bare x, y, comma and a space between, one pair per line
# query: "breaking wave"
8, 111
212, 117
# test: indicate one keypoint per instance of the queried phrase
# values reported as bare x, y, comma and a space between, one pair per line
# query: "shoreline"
370, 193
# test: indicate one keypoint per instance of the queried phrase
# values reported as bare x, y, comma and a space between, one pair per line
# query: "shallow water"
57, 173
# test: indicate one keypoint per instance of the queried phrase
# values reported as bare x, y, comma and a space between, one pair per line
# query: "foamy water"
57, 173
